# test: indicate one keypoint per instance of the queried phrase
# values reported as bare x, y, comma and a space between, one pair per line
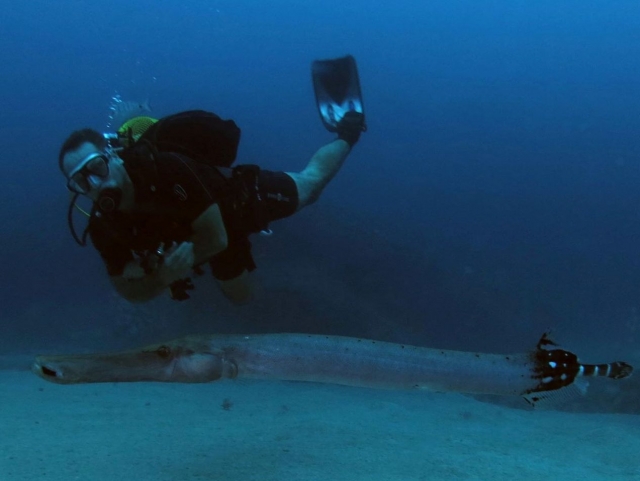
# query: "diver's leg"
322, 167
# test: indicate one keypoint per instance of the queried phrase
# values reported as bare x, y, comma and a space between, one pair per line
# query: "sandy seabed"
245, 430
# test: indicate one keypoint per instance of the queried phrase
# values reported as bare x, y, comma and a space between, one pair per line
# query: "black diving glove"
350, 127
179, 289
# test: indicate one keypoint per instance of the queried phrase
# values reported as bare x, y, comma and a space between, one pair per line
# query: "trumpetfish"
336, 360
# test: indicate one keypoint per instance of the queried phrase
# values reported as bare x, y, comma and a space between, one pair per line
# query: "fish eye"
163, 351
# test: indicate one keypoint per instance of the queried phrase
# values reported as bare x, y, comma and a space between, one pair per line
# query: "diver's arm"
137, 286
209, 237
209, 234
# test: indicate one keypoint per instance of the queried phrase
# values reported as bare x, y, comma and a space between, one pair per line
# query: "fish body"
333, 359
122, 111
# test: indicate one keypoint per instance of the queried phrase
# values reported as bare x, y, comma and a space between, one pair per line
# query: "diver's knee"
309, 188
308, 197
237, 290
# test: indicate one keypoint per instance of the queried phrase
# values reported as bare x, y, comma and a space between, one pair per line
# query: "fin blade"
337, 89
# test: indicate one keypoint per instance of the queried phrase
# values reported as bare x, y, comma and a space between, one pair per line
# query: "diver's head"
92, 169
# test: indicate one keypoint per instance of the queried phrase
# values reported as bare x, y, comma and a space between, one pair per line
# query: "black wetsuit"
172, 190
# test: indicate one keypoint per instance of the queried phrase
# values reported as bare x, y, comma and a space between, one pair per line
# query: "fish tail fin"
612, 370
560, 374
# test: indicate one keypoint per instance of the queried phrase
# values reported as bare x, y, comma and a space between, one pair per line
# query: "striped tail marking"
613, 370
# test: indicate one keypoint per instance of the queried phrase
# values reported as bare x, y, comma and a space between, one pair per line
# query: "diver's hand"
350, 127
178, 262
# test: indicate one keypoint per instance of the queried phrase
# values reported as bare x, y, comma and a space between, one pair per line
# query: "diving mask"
89, 173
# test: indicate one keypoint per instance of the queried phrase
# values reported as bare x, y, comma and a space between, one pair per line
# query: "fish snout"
46, 370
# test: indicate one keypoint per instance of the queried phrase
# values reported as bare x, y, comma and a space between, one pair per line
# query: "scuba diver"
167, 200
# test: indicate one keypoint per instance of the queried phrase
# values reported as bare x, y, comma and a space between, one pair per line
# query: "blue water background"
494, 195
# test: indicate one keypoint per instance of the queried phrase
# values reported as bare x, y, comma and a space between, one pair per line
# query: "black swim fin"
337, 88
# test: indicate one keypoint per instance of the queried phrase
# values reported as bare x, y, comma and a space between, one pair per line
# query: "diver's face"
90, 170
